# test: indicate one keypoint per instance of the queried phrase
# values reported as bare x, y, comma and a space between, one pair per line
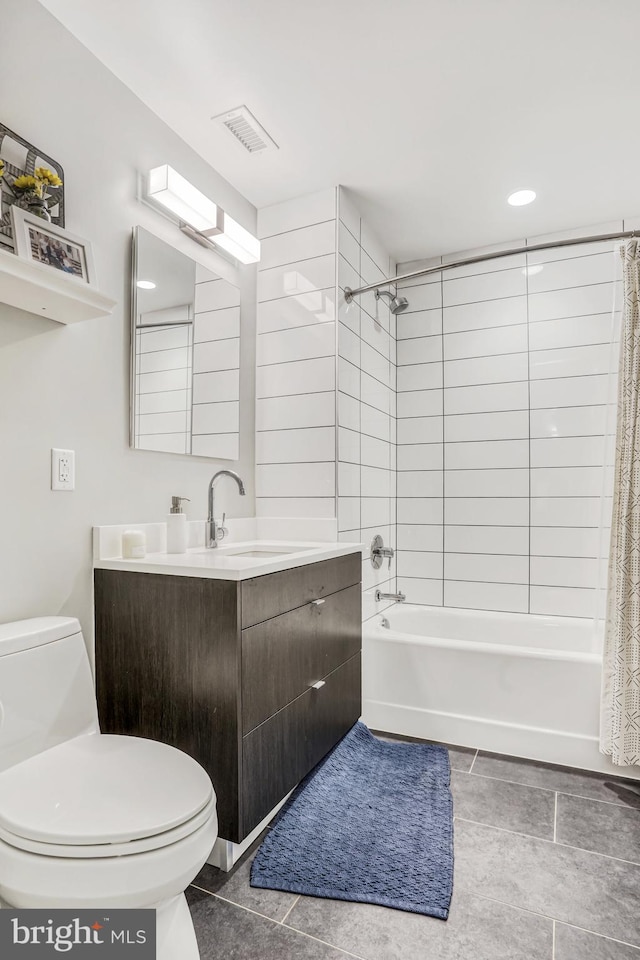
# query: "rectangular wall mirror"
185, 365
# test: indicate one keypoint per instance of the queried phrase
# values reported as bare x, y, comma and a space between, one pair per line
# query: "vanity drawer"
275, 593
283, 656
282, 750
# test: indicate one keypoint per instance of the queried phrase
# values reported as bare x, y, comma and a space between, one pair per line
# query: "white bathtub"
528, 686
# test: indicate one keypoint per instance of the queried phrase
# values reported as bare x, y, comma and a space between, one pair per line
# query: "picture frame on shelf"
20, 157
40, 241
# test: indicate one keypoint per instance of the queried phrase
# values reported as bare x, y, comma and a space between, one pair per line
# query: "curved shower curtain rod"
349, 294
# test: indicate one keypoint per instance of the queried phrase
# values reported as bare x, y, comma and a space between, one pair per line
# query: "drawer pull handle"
318, 685
317, 603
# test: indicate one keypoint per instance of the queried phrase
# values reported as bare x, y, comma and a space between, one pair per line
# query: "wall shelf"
46, 292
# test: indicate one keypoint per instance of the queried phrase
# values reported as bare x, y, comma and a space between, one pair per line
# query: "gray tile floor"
547, 867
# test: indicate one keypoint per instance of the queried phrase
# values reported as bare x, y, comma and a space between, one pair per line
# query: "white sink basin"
260, 550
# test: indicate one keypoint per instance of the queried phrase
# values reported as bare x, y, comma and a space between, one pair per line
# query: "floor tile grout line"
278, 923
474, 760
566, 923
555, 817
290, 909
553, 940
531, 836
564, 793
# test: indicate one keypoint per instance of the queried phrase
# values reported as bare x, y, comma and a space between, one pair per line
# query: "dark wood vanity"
256, 679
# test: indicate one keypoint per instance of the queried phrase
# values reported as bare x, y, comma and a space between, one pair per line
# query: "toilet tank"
46, 688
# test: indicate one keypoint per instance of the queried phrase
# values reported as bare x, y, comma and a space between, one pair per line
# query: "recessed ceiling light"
146, 284
521, 197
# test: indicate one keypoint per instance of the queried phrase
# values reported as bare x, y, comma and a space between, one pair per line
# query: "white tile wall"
521, 425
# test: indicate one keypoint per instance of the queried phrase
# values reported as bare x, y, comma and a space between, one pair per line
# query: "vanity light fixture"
201, 218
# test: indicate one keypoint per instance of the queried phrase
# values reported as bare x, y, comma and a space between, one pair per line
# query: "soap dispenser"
177, 527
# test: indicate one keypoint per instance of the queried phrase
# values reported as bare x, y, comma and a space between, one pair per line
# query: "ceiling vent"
246, 129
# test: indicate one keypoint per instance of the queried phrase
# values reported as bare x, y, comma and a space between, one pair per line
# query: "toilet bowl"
91, 819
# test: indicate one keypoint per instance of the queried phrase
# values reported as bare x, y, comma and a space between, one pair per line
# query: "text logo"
79, 934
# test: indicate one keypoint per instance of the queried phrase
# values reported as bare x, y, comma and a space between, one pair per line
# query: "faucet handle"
222, 531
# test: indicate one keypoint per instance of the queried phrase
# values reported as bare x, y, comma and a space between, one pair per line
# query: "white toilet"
89, 819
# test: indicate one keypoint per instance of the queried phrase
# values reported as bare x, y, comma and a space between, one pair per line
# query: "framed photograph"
37, 239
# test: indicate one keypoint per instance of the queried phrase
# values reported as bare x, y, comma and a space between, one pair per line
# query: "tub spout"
397, 597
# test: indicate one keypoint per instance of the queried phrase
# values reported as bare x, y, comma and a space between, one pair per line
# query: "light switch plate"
63, 469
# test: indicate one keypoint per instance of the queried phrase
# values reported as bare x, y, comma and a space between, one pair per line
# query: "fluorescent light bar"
237, 241
172, 191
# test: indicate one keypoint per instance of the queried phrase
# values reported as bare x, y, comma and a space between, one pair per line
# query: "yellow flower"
48, 176
1, 168
25, 182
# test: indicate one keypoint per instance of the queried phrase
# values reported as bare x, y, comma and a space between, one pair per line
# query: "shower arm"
349, 294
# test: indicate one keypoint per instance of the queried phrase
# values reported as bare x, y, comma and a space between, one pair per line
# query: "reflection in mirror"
185, 391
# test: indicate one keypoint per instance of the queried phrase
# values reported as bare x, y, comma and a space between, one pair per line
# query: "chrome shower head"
396, 304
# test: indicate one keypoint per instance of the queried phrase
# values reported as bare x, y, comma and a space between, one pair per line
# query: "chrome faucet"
213, 532
397, 597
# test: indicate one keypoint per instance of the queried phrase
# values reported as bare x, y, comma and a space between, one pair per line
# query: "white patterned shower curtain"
620, 712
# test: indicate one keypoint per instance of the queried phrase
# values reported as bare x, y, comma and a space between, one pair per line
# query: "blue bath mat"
372, 823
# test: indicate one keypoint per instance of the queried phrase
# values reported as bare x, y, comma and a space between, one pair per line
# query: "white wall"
69, 386
504, 372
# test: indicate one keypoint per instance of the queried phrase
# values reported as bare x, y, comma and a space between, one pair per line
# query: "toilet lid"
102, 789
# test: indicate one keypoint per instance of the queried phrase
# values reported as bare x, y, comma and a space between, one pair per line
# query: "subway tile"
579, 271
216, 387
494, 265
348, 445
375, 511
422, 323
309, 410
217, 355
375, 423
374, 363
164, 380
567, 542
573, 391
423, 296
571, 362
420, 537
376, 394
296, 446
305, 243
294, 279
165, 442
348, 513
486, 568
419, 376
375, 335
576, 302
216, 417
290, 506
488, 286
375, 482
486, 343
509, 597
563, 602
348, 244
350, 314
420, 430
571, 451
300, 343
301, 310
414, 564
511, 425
565, 571
296, 213
584, 421
215, 295
295, 480
571, 332
419, 403
374, 452
348, 412
490, 454
420, 350
349, 479
348, 212
217, 325
421, 590
490, 540
155, 423
348, 345
377, 310
222, 446
373, 247
159, 360
348, 378
504, 369
487, 483
488, 511
575, 250
481, 316
492, 397
419, 510
289, 379
348, 276
158, 339
568, 511
566, 481
166, 402
420, 456
420, 483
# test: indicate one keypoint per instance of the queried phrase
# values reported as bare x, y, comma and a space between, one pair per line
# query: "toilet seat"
103, 796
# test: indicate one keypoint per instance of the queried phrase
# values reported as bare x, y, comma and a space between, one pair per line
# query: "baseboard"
225, 853
530, 743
